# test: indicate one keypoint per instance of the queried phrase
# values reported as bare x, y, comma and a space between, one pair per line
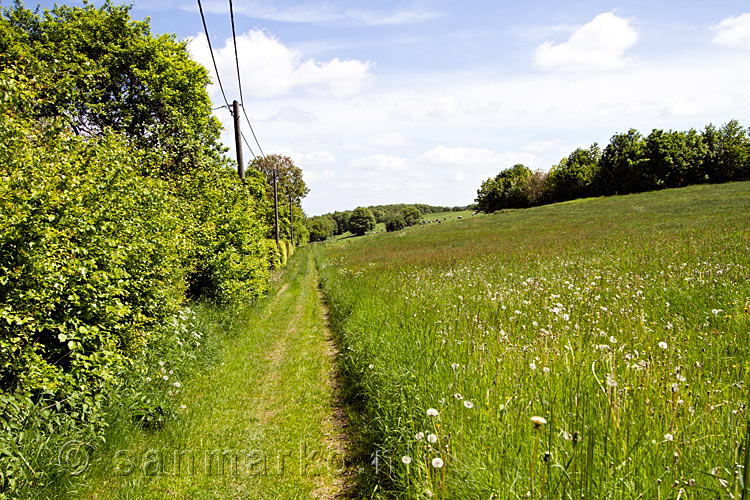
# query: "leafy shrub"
283, 252
361, 221
91, 267
411, 215
228, 260
96, 256
395, 222
289, 248
273, 256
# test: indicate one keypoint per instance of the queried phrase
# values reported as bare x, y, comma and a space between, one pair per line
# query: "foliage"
629, 163
98, 69
622, 321
116, 206
573, 177
621, 165
506, 190
728, 155
384, 213
91, 269
411, 215
361, 221
228, 259
273, 255
321, 228
395, 222
291, 188
675, 159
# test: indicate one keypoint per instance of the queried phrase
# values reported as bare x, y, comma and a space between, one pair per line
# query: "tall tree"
291, 189
100, 70
573, 176
728, 155
620, 167
361, 221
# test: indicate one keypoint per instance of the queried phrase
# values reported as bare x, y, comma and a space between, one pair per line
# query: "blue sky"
420, 101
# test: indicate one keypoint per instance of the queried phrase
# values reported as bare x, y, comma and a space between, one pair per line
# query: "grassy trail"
260, 425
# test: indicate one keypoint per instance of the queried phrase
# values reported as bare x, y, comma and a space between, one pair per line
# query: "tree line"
363, 219
630, 163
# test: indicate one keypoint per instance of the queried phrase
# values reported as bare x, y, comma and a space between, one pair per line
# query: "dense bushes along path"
260, 425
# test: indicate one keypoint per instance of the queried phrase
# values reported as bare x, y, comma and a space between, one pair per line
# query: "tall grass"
622, 322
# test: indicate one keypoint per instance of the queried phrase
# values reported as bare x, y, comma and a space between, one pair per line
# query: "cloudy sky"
420, 101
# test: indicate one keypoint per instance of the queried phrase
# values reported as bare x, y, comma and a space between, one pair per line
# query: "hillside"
580, 349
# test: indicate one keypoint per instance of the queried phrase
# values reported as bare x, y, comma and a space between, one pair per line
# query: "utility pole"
291, 219
276, 207
238, 139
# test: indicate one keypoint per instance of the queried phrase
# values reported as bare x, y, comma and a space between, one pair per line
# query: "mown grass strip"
254, 426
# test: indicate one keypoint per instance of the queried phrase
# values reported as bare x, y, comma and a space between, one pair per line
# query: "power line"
248, 145
210, 48
239, 80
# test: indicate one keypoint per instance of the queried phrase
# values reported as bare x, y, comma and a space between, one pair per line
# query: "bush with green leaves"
411, 215
229, 262
395, 222
102, 235
91, 268
361, 221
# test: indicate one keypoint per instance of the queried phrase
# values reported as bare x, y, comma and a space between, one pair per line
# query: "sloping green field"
623, 322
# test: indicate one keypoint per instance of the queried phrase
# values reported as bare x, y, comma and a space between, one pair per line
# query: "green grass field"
623, 322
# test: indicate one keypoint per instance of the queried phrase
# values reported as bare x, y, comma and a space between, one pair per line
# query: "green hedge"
97, 261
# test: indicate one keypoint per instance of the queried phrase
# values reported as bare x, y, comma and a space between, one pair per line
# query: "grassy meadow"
623, 322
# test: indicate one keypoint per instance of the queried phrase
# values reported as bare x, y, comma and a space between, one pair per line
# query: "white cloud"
289, 114
317, 13
430, 106
313, 176
314, 158
460, 157
388, 140
598, 45
271, 69
379, 163
733, 32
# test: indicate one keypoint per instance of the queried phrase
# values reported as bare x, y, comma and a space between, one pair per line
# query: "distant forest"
630, 163
327, 225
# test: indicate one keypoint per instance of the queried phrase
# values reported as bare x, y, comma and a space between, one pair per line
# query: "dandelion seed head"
432, 412
437, 462
538, 421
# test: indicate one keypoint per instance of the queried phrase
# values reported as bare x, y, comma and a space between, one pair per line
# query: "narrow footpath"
265, 423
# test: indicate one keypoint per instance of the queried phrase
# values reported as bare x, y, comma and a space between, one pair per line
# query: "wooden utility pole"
238, 139
291, 220
276, 207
